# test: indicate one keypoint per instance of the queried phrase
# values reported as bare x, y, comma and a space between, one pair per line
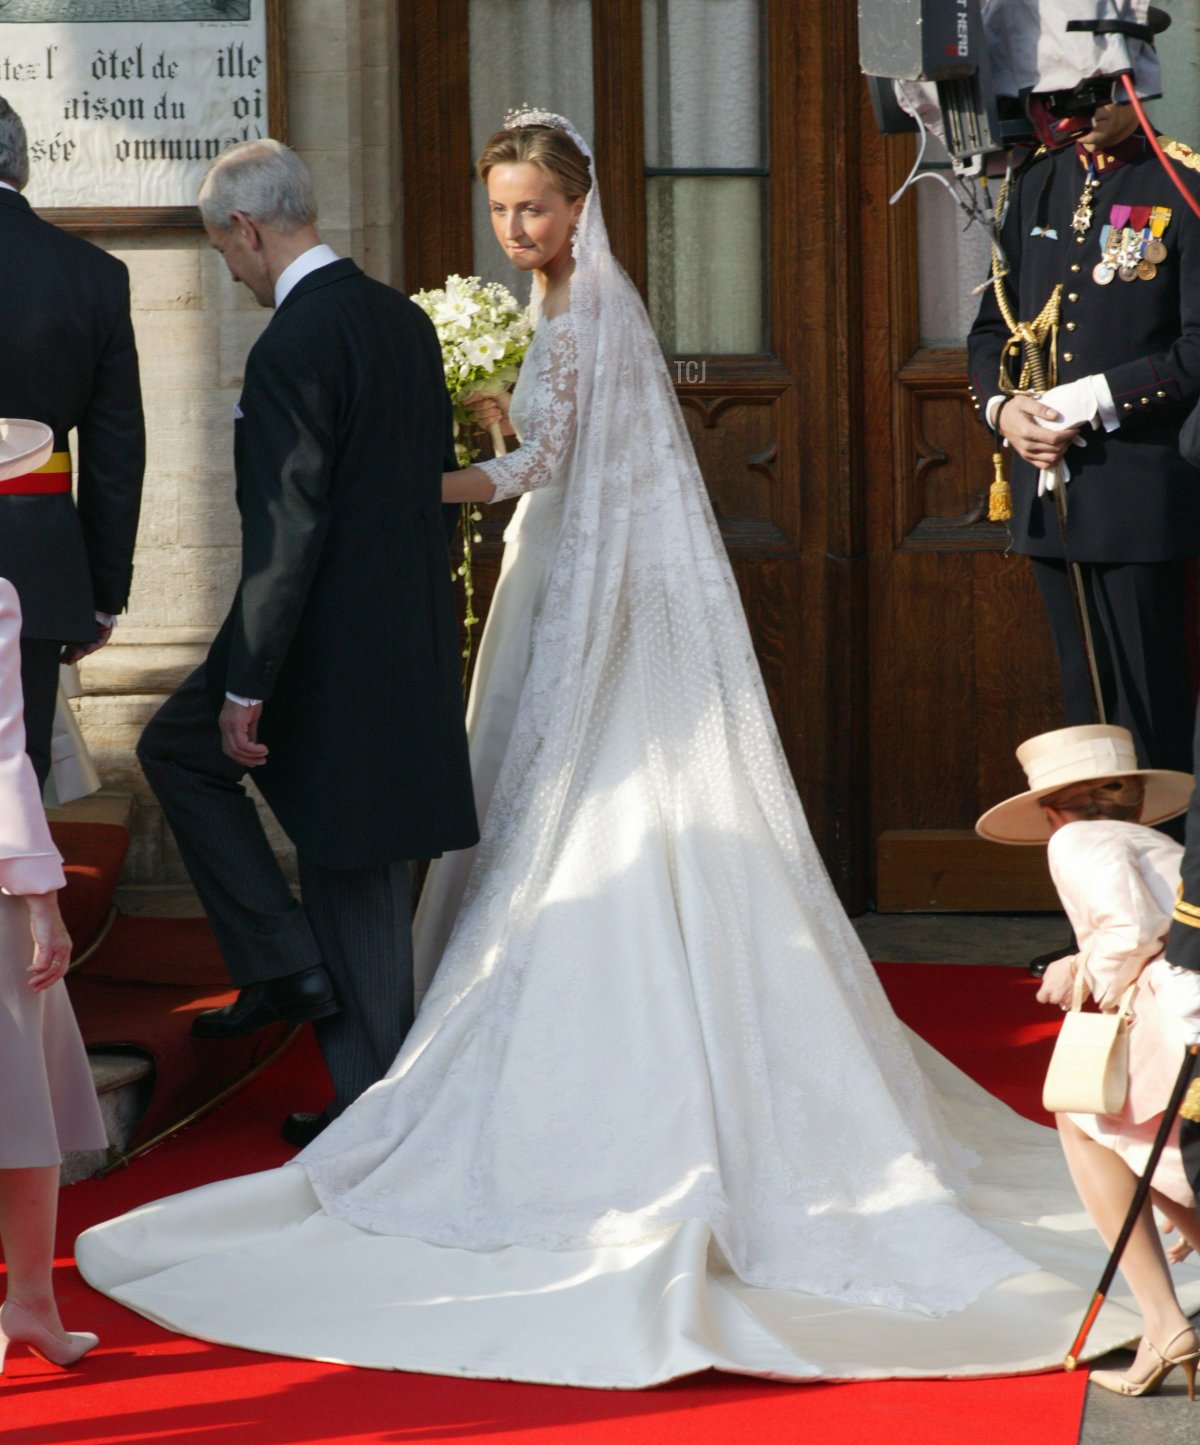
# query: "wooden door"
960, 662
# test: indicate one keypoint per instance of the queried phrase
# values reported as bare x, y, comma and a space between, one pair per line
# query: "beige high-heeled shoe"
18, 1327
1147, 1384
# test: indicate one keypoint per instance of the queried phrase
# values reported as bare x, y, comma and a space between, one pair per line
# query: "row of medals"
1131, 252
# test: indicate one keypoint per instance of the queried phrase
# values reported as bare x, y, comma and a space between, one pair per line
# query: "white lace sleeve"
548, 415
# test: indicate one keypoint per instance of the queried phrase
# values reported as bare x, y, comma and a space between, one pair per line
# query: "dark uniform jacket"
344, 620
67, 358
1132, 497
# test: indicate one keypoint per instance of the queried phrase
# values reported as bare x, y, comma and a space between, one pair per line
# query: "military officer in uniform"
68, 360
1101, 220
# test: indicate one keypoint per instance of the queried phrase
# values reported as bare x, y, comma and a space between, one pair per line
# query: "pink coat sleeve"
29, 861
1118, 922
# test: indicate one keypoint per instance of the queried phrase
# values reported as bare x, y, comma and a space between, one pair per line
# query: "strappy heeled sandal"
1125, 1384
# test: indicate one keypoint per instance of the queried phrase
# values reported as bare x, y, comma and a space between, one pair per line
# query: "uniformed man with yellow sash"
67, 358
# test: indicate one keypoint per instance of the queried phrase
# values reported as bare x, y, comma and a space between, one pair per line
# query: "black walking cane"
1140, 1195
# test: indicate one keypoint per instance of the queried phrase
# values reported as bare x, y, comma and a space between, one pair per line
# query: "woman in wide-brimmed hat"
1117, 878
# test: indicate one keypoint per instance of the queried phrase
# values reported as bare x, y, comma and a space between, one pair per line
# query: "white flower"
484, 351
455, 311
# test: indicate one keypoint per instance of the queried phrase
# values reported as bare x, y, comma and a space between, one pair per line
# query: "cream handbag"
1089, 1069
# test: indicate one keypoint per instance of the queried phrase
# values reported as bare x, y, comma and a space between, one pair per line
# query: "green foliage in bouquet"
484, 333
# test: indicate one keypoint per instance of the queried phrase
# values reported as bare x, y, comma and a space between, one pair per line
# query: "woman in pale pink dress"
47, 1101
1117, 879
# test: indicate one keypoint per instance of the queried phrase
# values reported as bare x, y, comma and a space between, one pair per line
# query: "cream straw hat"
1079, 755
24, 447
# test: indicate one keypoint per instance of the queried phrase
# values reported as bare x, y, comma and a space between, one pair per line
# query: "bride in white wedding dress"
655, 1114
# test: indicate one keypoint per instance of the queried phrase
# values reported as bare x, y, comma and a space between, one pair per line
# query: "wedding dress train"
655, 1114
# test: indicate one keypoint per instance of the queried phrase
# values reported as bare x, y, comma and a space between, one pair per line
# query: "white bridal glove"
1178, 990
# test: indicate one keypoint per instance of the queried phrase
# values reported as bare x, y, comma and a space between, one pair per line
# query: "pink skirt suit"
47, 1099
1117, 882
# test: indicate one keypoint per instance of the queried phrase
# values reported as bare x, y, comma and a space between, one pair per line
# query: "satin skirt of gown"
553, 1182
500, 669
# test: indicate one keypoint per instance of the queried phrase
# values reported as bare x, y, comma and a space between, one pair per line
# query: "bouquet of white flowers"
484, 333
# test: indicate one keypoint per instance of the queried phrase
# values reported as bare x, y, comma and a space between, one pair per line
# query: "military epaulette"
1186, 913
1176, 149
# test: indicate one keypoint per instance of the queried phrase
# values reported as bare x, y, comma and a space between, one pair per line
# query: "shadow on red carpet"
145, 1384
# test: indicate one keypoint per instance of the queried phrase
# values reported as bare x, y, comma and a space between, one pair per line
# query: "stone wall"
194, 328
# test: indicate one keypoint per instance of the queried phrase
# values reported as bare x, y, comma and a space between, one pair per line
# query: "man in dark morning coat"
335, 677
67, 358
1128, 358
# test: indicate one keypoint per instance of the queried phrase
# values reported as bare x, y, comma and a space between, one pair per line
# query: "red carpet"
144, 1384
985, 1020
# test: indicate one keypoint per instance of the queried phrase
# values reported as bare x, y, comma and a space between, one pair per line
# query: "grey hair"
14, 151
265, 180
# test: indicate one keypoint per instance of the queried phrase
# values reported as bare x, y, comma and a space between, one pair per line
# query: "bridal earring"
18, 1327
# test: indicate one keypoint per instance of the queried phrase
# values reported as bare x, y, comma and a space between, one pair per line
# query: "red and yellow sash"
55, 476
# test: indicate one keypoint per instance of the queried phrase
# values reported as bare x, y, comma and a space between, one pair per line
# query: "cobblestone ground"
84, 11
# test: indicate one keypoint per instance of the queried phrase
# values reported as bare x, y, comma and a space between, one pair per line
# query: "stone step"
101, 807
123, 1082
157, 900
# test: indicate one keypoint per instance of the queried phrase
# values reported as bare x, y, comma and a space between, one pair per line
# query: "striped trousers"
356, 922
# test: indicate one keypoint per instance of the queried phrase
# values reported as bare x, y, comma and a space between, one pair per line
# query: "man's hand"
74, 651
1178, 990
239, 734
1020, 422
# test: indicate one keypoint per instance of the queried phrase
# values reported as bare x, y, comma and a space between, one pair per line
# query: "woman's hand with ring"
51, 941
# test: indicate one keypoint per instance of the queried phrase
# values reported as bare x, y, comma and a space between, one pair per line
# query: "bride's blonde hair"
544, 146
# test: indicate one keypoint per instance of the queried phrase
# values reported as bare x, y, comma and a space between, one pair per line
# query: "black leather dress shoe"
296, 999
301, 1129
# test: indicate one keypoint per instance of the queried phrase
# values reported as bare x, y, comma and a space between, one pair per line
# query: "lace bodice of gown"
543, 416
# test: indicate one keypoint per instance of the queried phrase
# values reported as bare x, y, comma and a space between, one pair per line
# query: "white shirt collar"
4, 186
306, 263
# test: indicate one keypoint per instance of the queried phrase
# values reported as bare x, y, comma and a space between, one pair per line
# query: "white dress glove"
1178, 991
1077, 402
1086, 402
